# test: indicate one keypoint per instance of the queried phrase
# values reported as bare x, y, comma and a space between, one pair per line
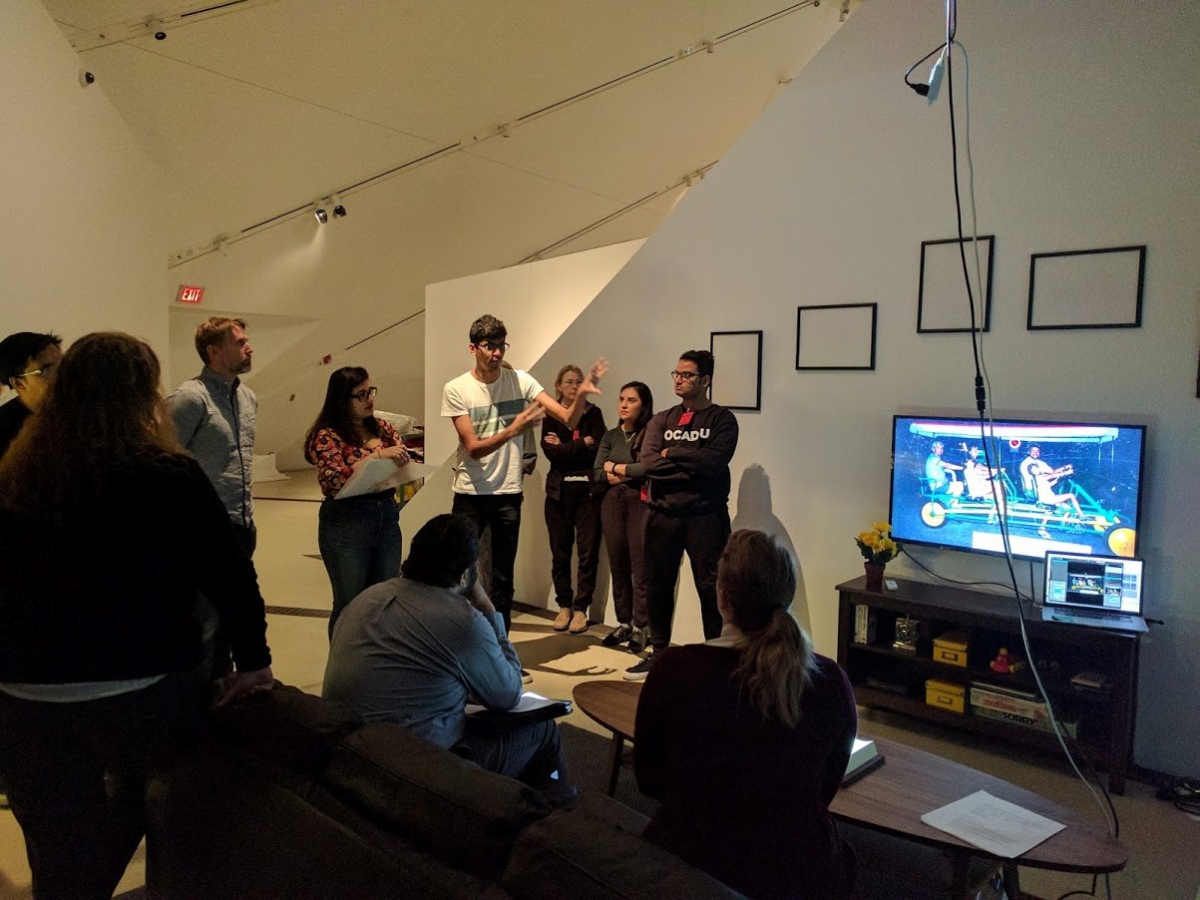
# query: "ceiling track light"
339, 208
320, 214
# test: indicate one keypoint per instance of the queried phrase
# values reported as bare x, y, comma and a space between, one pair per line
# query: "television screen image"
1066, 487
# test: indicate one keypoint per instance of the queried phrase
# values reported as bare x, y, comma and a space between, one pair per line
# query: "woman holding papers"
359, 536
745, 739
109, 530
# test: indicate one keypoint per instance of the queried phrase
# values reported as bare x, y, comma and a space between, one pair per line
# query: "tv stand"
894, 679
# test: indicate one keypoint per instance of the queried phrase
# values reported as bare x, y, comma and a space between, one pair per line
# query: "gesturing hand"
598, 370
530, 415
552, 439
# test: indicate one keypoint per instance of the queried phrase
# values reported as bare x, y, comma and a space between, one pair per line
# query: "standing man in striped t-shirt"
489, 406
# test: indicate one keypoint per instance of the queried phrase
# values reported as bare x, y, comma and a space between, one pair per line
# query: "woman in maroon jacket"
572, 514
745, 739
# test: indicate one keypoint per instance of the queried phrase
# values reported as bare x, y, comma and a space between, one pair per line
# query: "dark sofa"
292, 796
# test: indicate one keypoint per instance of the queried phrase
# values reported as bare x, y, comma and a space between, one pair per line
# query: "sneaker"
526, 678
563, 620
640, 670
638, 639
579, 622
617, 636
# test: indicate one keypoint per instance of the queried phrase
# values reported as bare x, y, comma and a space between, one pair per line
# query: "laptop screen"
1094, 582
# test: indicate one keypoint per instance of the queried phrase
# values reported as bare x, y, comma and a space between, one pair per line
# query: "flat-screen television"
1066, 486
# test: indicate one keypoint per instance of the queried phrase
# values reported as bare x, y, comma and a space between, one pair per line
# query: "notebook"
1094, 591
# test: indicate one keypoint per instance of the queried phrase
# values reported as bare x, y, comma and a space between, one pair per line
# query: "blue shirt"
215, 422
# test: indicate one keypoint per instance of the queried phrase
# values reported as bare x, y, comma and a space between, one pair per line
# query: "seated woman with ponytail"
745, 739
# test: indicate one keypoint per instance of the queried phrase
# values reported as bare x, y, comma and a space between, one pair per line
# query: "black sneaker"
640, 670
638, 640
526, 678
617, 636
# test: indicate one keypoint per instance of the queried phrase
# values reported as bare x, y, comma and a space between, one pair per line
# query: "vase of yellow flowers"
878, 549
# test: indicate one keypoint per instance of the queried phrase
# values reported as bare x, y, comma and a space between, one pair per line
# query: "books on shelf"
864, 624
864, 757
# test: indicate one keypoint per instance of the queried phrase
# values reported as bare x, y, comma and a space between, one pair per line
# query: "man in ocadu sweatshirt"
685, 460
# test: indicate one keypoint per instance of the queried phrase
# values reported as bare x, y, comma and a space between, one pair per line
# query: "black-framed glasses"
490, 347
685, 376
365, 395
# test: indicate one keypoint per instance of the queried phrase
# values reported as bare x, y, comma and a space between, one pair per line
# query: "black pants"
623, 517
574, 521
500, 515
704, 537
77, 774
216, 644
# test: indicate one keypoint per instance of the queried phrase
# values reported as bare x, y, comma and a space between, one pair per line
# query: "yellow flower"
870, 538
881, 527
888, 546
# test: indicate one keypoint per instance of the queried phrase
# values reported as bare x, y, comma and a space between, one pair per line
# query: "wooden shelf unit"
1105, 719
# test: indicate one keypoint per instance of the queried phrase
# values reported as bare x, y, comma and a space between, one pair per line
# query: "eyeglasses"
363, 396
489, 347
44, 371
685, 376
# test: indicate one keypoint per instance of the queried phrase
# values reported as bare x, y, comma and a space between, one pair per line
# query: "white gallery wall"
1083, 119
80, 237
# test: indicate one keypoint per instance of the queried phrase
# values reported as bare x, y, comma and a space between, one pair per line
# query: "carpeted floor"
587, 761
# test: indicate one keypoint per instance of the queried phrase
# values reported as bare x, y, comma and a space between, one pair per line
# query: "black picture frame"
1068, 287
730, 392
832, 334
940, 269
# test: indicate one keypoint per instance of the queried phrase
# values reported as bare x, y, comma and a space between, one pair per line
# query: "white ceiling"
264, 106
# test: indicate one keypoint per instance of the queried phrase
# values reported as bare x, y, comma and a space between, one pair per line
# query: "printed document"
989, 823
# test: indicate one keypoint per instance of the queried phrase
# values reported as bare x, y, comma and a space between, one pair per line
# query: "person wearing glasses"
489, 406
116, 530
572, 513
685, 461
359, 537
27, 364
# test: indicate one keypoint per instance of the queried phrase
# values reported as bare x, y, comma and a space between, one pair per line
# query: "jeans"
501, 515
77, 774
623, 515
359, 540
530, 753
704, 537
574, 521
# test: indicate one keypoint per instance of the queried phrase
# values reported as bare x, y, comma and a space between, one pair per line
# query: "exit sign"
190, 293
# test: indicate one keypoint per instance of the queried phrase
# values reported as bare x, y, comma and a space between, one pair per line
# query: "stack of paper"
989, 823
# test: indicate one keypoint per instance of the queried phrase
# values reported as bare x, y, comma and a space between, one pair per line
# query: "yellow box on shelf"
951, 649
945, 695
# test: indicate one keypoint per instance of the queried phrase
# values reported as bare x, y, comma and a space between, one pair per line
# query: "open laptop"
1096, 591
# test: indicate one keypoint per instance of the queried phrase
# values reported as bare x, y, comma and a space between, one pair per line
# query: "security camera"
160, 35
86, 78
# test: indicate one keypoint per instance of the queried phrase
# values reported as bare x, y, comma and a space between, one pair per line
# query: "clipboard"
379, 475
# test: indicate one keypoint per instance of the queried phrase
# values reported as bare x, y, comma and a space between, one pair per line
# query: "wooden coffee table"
893, 798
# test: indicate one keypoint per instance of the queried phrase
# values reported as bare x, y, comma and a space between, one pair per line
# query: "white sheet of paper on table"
989, 823
379, 475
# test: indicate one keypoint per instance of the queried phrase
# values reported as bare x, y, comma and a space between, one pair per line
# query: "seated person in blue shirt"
939, 474
415, 649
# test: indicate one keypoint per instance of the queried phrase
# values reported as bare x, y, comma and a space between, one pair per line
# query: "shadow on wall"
754, 511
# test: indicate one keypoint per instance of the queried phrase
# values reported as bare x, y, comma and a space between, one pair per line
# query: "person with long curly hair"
359, 537
109, 530
745, 739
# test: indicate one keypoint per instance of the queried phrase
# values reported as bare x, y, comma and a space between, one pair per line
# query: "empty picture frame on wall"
942, 298
1087, 288
737, 373
837, 337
